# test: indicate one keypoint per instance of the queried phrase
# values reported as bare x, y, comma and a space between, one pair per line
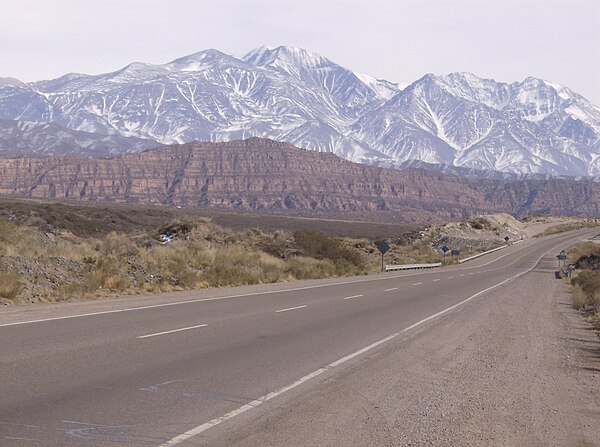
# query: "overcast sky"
398, 40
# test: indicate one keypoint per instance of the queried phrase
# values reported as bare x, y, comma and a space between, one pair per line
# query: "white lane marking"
462, 275
435, 280
352, 297
267, 397
174, 330
417, 284
292, 308
450, 277
389, 290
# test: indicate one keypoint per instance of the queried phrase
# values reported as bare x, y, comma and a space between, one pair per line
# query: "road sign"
562, 257
444, 248
383, 247
506, 238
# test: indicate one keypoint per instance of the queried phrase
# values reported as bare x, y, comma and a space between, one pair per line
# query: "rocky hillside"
269, 176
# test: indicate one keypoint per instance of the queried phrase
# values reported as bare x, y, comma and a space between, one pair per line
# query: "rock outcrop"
269, 176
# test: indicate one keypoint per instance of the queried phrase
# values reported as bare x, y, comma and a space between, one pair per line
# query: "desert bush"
10, 285
235, 265
320, 246
588, 282
109, 273
580, 300
114, 244
301, 267
480, 223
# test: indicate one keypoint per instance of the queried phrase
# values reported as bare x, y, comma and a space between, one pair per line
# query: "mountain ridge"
275, 177
289, 94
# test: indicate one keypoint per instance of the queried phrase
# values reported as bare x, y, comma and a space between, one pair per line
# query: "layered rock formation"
265, 175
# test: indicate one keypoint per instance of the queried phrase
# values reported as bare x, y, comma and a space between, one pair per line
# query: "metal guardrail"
481, 254
390, 268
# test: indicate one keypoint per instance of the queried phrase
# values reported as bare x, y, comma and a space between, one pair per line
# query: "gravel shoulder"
517, 366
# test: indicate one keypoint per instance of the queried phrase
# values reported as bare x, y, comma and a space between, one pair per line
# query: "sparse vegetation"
577, 225
64, 251
586, 279
10, 285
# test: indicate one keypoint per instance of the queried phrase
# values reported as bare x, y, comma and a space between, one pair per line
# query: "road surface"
200, 368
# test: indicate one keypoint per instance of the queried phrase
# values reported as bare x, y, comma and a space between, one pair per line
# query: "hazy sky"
400, 40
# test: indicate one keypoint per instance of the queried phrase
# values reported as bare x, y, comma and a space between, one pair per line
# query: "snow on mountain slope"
293, 95
17, 138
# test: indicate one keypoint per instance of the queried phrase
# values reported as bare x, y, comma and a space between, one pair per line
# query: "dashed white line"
291, 308
417, 284
174, 330
352, 297
389, 290
435, 280
450, 277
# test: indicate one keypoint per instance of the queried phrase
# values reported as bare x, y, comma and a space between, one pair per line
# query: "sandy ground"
515, 367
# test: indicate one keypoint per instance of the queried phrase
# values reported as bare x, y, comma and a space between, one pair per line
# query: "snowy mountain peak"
284, 56
293, 95
199, 61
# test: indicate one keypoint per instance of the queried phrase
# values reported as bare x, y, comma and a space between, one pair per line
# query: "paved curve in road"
170, 368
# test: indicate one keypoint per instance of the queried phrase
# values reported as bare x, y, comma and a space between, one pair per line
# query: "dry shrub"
109, 273
176, 264
587, 287
579, 298
10, 285
320, 246
237, 265
301, 267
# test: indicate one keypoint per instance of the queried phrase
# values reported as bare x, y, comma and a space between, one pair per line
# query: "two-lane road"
169, 369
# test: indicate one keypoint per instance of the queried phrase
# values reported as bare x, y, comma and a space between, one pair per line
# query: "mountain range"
274, 177
457, 121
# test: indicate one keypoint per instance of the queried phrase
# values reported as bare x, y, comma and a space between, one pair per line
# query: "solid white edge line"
292, 308
352, 297
261, 400
174, 330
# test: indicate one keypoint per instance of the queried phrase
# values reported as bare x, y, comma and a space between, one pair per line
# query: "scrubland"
59, 251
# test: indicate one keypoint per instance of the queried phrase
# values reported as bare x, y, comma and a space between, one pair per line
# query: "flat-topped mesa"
270, 176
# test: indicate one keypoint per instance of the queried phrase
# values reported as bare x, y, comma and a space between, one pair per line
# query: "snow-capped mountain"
293, 95
49, 139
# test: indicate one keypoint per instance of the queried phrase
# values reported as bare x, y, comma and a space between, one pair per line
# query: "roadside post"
444, 250
383, 248
562, 259
455, 253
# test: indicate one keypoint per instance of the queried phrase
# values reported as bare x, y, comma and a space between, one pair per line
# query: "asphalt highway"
173, 370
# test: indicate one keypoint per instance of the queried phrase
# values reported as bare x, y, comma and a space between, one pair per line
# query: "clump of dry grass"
302, 267
10, 285
586, 285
